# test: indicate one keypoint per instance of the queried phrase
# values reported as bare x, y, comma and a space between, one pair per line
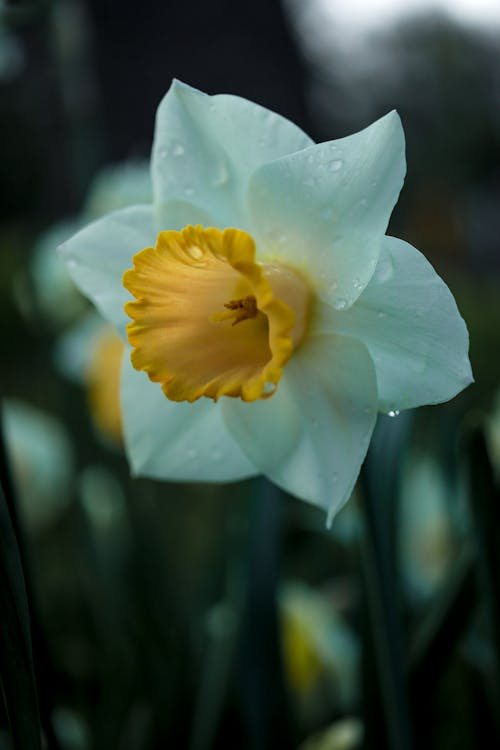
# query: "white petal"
97, 256
176, 214
268, 429
409, 321
206, 147
325, 209
312, 435
177, 441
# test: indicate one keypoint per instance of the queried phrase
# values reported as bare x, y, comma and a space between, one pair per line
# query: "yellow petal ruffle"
206, 321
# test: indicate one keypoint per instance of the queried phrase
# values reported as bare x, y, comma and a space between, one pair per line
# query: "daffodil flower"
269, 316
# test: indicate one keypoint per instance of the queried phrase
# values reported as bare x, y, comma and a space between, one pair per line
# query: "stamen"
239, 309
243, 308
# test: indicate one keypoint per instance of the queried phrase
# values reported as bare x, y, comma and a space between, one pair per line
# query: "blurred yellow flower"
303, 663
103, 383
320, 652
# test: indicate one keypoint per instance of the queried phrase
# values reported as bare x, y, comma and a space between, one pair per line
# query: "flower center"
208, 320
239, 310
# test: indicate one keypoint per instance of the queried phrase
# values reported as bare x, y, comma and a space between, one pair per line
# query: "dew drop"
222, 176
163, 153
195, 252
383, 271
393, 413
268, 388
278, 237
329, 517
381, 314
340, 304
335, 165
363, 202
358, 284
178, 149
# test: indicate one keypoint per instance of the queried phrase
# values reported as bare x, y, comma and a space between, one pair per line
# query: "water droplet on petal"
195, 252
222, 176
163, 153
178, 149
393, 413
268, 388
340, 304
335, 165
276, 236
358, 284
381, 314
383, 271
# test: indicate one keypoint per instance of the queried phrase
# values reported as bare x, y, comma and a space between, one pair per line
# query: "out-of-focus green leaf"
380, 479
484, 497
437, 636
264, 700
16, 664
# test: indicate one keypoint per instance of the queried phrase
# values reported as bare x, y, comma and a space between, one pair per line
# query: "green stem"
379, 482
484, 497
264, 697
17, 678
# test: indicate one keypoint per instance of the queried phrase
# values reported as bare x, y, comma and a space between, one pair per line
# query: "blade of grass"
380, 479
16, 661
41, 666
437, 636
484, 498
264, 699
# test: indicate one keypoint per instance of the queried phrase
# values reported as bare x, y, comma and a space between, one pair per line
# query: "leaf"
16, 661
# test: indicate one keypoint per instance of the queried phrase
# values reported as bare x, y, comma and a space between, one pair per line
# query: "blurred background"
190, 616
